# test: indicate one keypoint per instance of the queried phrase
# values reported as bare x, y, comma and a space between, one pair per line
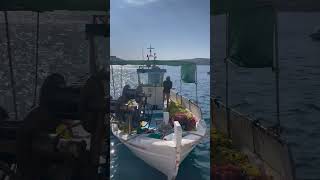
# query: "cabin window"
143, 78
151, 78
154, 78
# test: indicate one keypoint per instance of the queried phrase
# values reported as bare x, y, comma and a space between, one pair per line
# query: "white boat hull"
158, 153
165, 154
164, 163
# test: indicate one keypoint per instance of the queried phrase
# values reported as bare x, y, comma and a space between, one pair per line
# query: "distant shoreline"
198, 61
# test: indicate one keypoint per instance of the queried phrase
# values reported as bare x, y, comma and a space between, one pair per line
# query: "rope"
37, 62
227, 77
277, 73
10, 65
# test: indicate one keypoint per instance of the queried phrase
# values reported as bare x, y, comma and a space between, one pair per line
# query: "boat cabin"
151, 80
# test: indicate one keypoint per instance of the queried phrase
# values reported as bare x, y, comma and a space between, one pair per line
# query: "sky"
177, 29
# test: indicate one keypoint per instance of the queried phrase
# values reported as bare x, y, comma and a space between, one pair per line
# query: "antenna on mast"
150, 54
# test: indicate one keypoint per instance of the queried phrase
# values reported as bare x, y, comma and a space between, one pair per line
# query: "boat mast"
151, 55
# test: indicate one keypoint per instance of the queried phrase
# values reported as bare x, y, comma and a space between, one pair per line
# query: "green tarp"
251, 37
188, 73
50, 5
251, 31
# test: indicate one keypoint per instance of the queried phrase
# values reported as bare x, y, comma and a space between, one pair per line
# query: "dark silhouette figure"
167, 85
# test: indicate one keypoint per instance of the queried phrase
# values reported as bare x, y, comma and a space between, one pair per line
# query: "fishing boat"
144, 123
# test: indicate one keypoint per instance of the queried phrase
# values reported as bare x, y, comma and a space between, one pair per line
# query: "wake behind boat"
161, 135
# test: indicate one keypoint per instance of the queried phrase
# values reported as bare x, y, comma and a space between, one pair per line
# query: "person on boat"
139, 94
167, 85
93, 108
39, 122
38, 156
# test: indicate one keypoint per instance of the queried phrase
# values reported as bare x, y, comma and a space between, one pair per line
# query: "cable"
10, 65
37, 62
277, 73
227, 77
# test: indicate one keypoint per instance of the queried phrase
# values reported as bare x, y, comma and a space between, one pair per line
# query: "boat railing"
187, 103
250, 135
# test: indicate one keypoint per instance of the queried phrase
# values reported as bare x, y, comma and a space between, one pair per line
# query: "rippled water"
253, 91
124, 165
63, 48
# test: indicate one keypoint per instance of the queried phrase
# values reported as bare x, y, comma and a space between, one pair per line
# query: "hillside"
198, 61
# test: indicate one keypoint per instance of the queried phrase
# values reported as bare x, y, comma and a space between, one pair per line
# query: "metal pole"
227, 75
196, 85
114, 89
121, 76
277, 72
37, 62
10, 65
92, 51
196, 92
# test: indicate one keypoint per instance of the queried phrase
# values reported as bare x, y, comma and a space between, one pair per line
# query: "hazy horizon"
163, 59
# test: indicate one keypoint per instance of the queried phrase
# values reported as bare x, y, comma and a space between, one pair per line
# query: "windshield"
151, 78
154, 78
